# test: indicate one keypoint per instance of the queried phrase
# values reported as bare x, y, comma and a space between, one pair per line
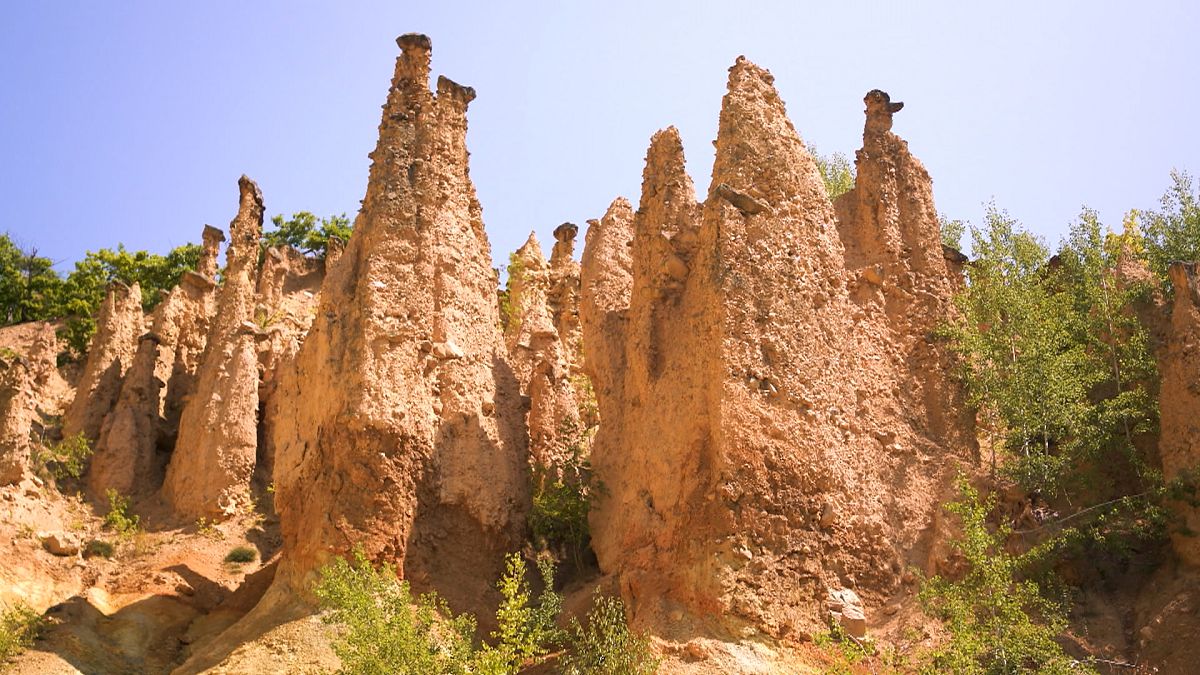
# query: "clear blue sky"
131, 121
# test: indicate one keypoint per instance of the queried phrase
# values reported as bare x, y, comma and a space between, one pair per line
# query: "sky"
132, 121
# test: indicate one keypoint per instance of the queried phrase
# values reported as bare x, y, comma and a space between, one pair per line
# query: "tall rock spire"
399, 426
118, 325
210, 470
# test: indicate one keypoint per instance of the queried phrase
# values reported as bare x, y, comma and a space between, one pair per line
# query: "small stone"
60, 543
447, 350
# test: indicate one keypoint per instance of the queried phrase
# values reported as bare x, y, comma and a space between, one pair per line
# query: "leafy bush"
19, 627
241, 554
388, 631
562, 495
97, 547
605, 645
67, 458
526, 631
999, 622
118, 518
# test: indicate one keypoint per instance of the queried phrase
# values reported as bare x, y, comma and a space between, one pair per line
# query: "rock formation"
1179, 400
528, 307
183, 321
759, 454
399, 424
124, 457
16, 417
118, 325
214, 455
210, 249
564, 293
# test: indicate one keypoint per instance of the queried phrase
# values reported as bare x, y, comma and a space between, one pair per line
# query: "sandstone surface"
118, 325
214, 457
758, 446
400, 425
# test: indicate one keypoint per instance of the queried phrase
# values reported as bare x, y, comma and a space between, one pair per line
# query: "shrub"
118, 518
19, 627
526, 631
998, 622
67, 458
606, 646
241, 554
386, 630
97, 547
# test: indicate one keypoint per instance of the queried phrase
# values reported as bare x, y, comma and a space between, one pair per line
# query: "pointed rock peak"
761, 163
246, 227
530, 254
606, 269
665, 181
880, 109
619, 211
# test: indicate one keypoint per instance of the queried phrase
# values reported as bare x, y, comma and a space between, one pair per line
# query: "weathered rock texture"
182, 322
757, 445
124, 457
564, 293
118, 325
288, 287
528, 307
399, 427
17, 402
210, 249
1179, 400
214, 457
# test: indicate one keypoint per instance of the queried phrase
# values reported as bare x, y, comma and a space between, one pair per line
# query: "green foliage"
952, 231
1061, 371
526, 631
305, 232
844, 649
836, 171
100, 548
1173, 232
605, 645
999, 622
67, 458
562, 496
385, 630
241, 554
118, 518
19, 627
510, 319
29, 287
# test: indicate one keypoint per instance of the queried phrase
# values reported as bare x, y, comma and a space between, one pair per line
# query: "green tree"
605, 645
305, 232
30, 289
1173, 232
836, 171
999, 621
1018, 358
526, 630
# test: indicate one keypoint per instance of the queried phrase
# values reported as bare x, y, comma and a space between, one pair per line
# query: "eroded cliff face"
399, 426
214, 457
757, 445
118, 326
1179, 440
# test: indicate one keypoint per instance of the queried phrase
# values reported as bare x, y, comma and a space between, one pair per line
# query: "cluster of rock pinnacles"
776, 429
